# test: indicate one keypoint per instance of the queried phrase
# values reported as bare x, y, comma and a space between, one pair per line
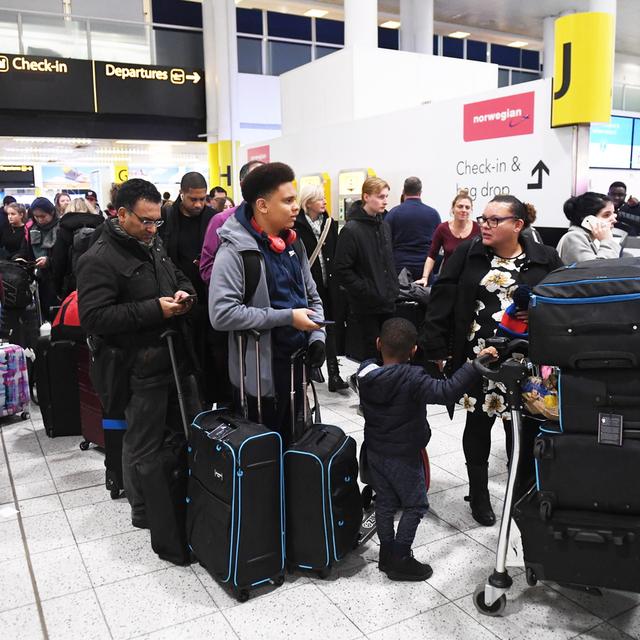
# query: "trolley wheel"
114, 493
493, 610
324, 573
279, 580
532, 579
243, 595
545, 510
25, 415
367, 496
84, 445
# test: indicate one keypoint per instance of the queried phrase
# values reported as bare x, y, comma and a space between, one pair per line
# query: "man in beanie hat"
40, 237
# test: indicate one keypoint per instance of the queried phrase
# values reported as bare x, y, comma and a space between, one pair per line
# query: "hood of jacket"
238, 231
141, 250
73, 221
357, 212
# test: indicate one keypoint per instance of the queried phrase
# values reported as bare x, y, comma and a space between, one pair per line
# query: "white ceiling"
511, 17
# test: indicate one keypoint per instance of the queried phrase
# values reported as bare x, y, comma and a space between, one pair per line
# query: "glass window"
284, 25
249, 21
452, 47
331, 31
183, 14
179, 48
503, 77
284, 56
618, 96
632, 98
250, 55
321, 52
435, 45
54, 36
506, 56
531, 60
476, 50
120, 42
388, 38
518, 77
9, 32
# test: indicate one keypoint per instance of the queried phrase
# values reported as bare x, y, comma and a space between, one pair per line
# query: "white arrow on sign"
195, 76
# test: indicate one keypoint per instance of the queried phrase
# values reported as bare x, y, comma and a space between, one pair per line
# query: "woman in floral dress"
466, 305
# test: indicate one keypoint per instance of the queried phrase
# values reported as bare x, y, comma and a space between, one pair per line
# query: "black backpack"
80, 243
16, 284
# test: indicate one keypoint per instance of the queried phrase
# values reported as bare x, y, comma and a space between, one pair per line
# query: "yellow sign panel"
121, 172
583, 70
221, 165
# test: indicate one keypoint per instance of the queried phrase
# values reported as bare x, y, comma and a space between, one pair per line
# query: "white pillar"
548, 52
416, 26
361, 23
221, 83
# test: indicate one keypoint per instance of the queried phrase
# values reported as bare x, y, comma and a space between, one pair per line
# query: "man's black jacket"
453, 298
363, 263
119, 283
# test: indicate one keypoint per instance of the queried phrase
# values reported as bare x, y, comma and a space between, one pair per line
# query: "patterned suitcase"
14, 390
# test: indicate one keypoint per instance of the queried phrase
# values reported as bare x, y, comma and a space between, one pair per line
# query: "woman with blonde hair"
449, 235
319, 234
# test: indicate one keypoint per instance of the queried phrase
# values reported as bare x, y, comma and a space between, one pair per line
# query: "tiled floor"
73, 567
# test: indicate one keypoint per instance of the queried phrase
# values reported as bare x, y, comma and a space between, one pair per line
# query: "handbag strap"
321, 239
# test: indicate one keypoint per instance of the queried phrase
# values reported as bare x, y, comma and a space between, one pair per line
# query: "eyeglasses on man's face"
146, 222
493, 221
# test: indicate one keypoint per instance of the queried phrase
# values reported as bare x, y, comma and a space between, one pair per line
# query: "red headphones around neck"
277, 244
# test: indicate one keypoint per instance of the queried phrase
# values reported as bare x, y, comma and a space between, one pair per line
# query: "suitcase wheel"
545, 510
532, 579
367, 497
243, 595
279, 580
493, 610
114, 493
324, 573
84, 445
25, 415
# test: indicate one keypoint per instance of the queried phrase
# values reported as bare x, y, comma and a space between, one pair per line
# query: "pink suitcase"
14, 390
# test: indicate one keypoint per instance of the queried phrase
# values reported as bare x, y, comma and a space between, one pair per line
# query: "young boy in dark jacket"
394, 398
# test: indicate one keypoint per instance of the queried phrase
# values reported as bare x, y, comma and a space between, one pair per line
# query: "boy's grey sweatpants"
399, 483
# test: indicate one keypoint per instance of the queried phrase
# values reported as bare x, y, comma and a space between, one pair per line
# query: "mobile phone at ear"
590, 223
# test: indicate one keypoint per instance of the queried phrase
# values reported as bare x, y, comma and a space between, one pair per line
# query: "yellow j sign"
583, 69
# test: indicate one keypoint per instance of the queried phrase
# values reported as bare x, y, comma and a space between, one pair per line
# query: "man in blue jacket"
412, 226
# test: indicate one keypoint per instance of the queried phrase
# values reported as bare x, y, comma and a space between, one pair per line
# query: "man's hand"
489, 351
182, 298
42, 262
316, 354
440, 364
171, 308
301, 320
422, 282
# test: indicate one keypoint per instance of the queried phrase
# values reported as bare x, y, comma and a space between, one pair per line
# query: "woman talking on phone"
590, 235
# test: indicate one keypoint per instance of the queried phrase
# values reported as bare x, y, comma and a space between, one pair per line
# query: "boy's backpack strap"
252, 268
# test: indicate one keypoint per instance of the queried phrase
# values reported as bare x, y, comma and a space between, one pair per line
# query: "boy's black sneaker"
407, 569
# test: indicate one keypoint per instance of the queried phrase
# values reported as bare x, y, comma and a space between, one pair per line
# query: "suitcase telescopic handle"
242, 342
169, 335
299, 354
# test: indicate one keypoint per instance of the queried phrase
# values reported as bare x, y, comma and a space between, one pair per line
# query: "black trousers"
399, 484
370, 325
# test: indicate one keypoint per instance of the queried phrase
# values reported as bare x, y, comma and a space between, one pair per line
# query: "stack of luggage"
580, 524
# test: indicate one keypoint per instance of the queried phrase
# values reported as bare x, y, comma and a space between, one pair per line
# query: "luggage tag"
221, 432
610, 429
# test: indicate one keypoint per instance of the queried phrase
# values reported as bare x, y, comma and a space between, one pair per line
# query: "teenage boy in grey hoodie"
394, 398
285, 299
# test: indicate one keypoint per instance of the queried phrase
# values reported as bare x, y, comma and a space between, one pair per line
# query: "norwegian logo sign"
499, 118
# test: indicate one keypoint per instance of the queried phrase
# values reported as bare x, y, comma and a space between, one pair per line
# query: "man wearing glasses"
129, 294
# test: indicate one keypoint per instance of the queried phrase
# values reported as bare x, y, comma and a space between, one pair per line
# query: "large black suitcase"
56, 378
575, 471
235, 515
323, 502
580, 547
585, 395
587, 316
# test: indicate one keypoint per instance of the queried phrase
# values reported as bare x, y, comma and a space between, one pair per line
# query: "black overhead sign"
56, 84
45, 84
162, 91
16, 175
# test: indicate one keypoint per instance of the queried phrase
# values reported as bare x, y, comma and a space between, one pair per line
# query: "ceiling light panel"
459, 34
518, 43
390, 24
315, 13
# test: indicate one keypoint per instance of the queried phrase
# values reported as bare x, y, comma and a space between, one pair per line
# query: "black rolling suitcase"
56, 381
587, 316
235, 519
163, 481
323, 502
579, 547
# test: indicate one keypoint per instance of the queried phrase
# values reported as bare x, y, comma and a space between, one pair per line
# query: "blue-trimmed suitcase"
235, 516
587, 316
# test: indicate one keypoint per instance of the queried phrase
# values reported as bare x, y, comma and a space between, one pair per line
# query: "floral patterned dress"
495, 292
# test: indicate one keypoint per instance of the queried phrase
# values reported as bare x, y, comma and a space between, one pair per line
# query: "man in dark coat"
186, 222
364, 265
129, 294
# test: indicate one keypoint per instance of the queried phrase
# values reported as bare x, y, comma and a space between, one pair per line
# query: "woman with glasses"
467, 303
449, 235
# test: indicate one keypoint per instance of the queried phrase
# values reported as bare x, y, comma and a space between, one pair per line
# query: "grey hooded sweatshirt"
227, 311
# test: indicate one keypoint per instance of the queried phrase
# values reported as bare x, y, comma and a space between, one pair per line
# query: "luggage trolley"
511, 369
